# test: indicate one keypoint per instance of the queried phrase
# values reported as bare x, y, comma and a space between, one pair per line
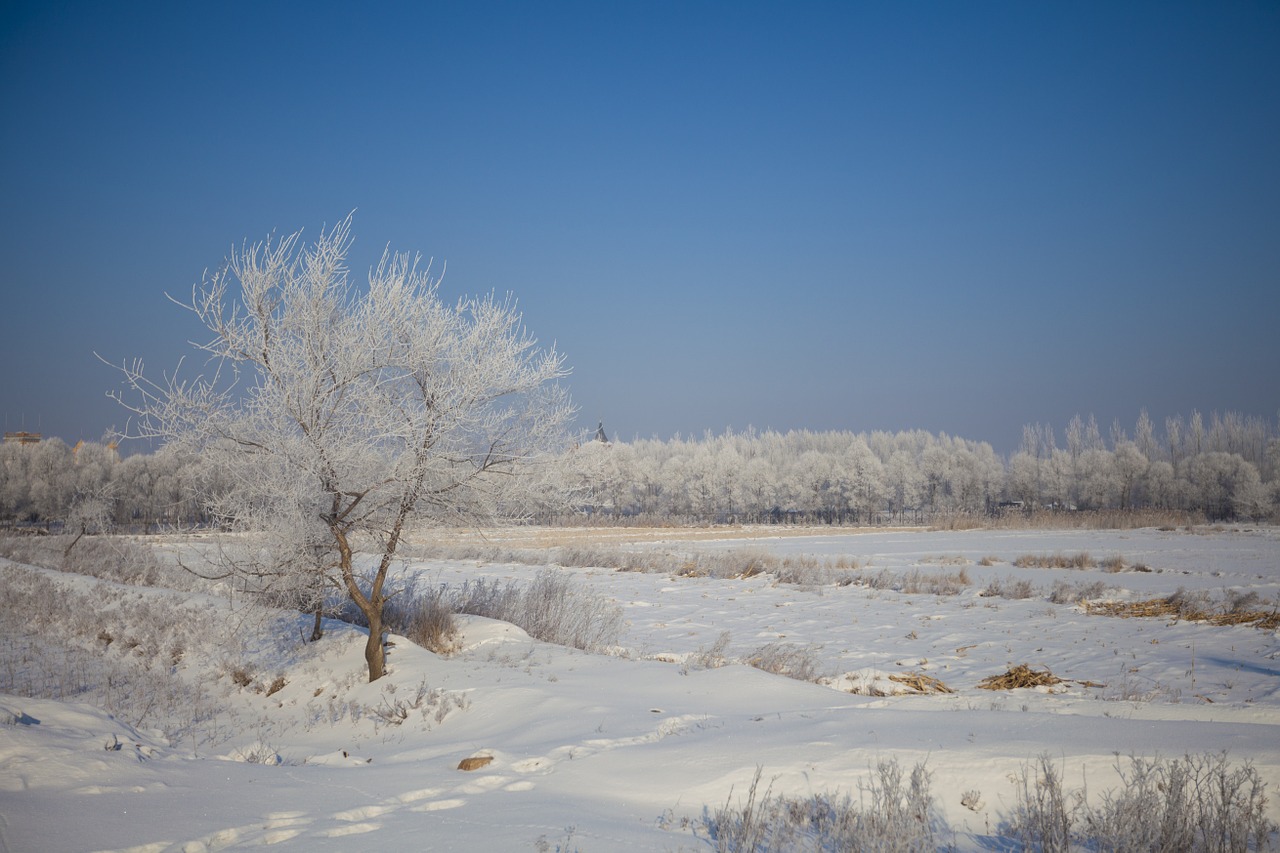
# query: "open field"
234, 733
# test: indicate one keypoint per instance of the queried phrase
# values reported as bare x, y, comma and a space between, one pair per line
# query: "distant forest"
1220, 468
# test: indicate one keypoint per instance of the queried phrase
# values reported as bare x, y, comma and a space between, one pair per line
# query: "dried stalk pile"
1169, 609
1020, 676
918, 682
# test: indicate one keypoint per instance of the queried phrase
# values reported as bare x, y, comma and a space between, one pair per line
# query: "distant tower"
600, 436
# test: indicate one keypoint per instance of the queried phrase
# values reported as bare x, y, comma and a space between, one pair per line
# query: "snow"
625, 751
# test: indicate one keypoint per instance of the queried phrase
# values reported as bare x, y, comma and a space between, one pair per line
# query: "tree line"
1224, 467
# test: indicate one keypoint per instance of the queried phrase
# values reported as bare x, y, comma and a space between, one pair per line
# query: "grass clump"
1113, 565
916, 582
1056, 561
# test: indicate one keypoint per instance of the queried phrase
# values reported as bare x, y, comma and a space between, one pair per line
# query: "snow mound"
48, 744
875, 682
477, 631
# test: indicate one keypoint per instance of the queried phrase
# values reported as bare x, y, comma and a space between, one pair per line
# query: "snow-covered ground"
625, 751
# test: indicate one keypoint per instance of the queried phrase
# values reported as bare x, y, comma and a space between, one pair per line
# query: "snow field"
625, 751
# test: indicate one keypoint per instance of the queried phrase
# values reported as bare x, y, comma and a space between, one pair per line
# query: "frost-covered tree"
15, 491
1130, 464
1099, 482
50, 480
1223, 485
903, 481
340, 415
864, 478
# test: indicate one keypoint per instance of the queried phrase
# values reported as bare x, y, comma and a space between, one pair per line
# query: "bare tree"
341, 415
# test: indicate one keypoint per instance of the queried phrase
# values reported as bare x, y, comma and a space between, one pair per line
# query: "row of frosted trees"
832, 477
1227, 466
90, 486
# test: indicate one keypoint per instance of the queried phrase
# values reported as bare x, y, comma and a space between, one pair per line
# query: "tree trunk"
370, 605
67, 551
317, 630
374, 652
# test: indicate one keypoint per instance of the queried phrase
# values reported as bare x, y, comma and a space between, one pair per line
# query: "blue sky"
958, 217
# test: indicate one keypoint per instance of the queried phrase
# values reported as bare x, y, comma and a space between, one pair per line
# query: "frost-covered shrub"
1189, 604
806, 570
112, 558
1074, 593
890, 815
555, 610
1055, 561
422, 614
1044, 811
787, 659
551, 608
916, 582
712, 657
1009, 588
1198, 803
113, 647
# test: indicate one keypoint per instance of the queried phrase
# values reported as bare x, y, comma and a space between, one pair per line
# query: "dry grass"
1009, 588
787, 659
1105, 519
918, 682
1056, 561
1112, 565
1020, 676
1188, 608
517, 537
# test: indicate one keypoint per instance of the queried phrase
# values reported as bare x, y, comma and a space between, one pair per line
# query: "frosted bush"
551, 608
891, 815
1198, 803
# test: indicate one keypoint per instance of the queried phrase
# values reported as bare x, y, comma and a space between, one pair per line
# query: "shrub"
115, 648
1198, 803
1189, 604
939, 583
1055, 561
1008, 588
787, 659
1044, 811
888, 816
708, 658
1112, 565
423, 617
1074, 593
113, 558
551, 608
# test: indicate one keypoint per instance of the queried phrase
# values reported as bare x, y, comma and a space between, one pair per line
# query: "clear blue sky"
957, 217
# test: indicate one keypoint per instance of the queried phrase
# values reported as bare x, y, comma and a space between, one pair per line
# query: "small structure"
600, 436
22, 437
